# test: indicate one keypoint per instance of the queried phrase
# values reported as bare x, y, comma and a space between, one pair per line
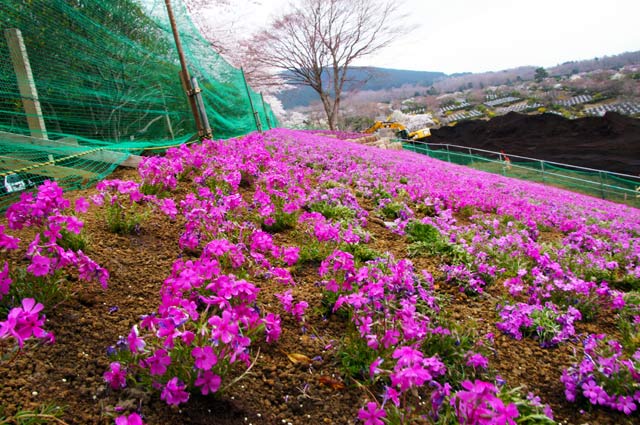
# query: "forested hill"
363, 78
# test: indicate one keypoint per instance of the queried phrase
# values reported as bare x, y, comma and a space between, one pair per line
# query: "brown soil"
277, 391
610, 143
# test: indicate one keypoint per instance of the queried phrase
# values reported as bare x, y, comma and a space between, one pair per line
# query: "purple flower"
476, 360
223, 328
272, 327
174, 392
208, 382
204, 357
116, 377
158, 362
136, 344
371, 415
82, 205
132, 419
5, 280
40, 265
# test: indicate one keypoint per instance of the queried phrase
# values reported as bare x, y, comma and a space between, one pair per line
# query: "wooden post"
26, 84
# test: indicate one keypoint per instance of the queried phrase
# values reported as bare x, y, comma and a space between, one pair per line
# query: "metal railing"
608, 185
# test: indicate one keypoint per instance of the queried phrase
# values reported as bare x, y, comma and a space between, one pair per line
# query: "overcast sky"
491, 35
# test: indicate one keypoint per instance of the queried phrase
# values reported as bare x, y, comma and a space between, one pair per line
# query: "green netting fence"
106, 75
602, 184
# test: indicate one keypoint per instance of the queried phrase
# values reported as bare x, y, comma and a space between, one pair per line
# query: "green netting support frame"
615, 187
106, 75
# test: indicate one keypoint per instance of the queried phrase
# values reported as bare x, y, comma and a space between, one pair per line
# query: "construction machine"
400, 130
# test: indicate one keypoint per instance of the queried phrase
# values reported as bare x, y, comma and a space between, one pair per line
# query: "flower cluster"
545, 323
605, 376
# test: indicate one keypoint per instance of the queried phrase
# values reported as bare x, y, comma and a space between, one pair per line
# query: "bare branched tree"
319, 40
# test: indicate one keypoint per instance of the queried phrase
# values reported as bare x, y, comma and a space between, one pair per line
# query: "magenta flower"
116, 377
40, 265
136, 344
6, 241
174, 392
208, 382
5, 280
82, 205
272, 327
223, 328
204, 357
132, 419
371, 415
290, 255
158, 362
476, 361
23, 322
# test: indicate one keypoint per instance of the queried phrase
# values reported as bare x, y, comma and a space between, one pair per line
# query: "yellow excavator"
400, 129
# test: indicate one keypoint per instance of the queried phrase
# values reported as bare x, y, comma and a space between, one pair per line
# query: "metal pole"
265, 111
201, 109
253, 110
185, 77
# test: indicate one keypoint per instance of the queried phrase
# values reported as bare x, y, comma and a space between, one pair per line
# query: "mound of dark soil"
609, 143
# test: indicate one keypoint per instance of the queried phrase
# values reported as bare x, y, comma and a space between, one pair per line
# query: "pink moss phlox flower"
8, 242
283, 276
132, 419
5, 280
286, 299
136, 344
81, 205
116, 376
208, 382
477, 403
477, 360
158, 362
290, 255
374, 367
261, 241
204, 357
40, 265
174, 392
24, 322
371, 414
299, 309
168, 207
223, 328
272, 327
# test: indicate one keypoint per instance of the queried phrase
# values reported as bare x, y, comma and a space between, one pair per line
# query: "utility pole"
185, 77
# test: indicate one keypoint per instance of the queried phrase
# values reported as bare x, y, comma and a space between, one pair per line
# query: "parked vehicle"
11, 183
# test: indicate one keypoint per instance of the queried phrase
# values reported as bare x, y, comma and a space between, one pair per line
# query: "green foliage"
361, 252
392, 210
49, 290
453, 348
73, 241
44, 414
333, 211
628, 325
283, 221
124, 220
426, 239
356, 356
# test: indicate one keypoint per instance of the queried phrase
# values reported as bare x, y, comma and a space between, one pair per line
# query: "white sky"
491, 35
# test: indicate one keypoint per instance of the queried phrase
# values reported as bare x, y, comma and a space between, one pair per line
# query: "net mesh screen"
106, 75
